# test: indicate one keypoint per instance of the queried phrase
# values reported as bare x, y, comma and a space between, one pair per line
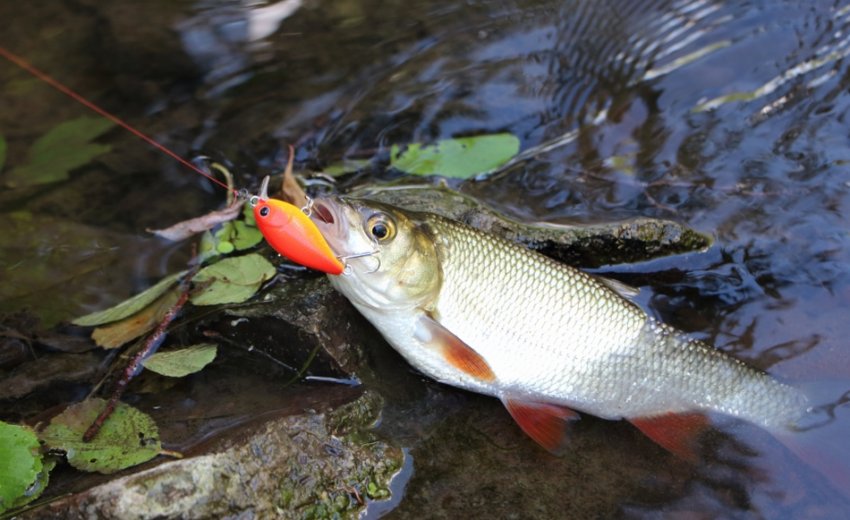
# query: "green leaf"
62, 149
225, 248
179, 363
129, 307
461, 158
20, 465
128, 437
233, 280
248, 215
2, 152
246, 236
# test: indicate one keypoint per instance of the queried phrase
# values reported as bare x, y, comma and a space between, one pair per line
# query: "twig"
135, 366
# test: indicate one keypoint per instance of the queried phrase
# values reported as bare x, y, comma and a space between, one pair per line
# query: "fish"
487, 315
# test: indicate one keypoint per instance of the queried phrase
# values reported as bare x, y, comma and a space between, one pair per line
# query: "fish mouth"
329, 216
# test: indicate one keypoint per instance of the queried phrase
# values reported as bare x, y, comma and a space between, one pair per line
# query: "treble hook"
347, 268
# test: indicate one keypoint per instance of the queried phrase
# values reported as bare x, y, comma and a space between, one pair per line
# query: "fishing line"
43, 76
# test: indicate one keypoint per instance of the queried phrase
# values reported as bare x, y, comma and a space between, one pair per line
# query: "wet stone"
288, 467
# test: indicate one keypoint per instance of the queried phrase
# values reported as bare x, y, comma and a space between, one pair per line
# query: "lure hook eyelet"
308, 207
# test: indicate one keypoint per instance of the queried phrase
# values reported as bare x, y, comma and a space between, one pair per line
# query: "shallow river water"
731, 117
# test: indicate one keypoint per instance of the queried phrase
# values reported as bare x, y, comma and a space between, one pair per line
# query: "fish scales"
554, 333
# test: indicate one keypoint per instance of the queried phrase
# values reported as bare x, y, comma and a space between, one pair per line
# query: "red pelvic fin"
545, 423
453, 349
677, 433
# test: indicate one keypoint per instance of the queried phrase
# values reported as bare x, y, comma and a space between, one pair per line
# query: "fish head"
390, 258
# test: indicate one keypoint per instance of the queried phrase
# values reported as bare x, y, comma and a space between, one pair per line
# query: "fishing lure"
290, 232
286, 228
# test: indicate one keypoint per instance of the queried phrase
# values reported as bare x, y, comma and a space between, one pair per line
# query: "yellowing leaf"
128, 437
62, 149
117, 333
20, 465
179, 363
461, 158
130, 306
233, 280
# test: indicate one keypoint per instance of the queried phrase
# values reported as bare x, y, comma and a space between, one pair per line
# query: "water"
730, 117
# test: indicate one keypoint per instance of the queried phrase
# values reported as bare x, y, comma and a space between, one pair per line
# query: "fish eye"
264, 211
381, 227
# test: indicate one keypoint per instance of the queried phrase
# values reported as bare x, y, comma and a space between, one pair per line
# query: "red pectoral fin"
453, 349
677, 433
545, 423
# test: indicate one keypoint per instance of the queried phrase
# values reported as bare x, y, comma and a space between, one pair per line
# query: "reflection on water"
731, 118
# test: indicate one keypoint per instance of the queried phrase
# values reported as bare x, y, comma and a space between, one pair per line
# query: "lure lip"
264, 189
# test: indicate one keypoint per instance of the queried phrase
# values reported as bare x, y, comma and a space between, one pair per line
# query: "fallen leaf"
20, 465
128, 437
290, 190
180, 363
62, 149
233, 280
193, 226
117, 333
130, 306
461, 158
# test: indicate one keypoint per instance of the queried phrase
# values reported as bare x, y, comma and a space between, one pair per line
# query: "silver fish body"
546, 332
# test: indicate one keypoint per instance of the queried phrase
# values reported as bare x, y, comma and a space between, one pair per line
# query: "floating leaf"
130, 306
20, 465
128, 437
234, 280
60, 150
461, 158
179, 363
117, 333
